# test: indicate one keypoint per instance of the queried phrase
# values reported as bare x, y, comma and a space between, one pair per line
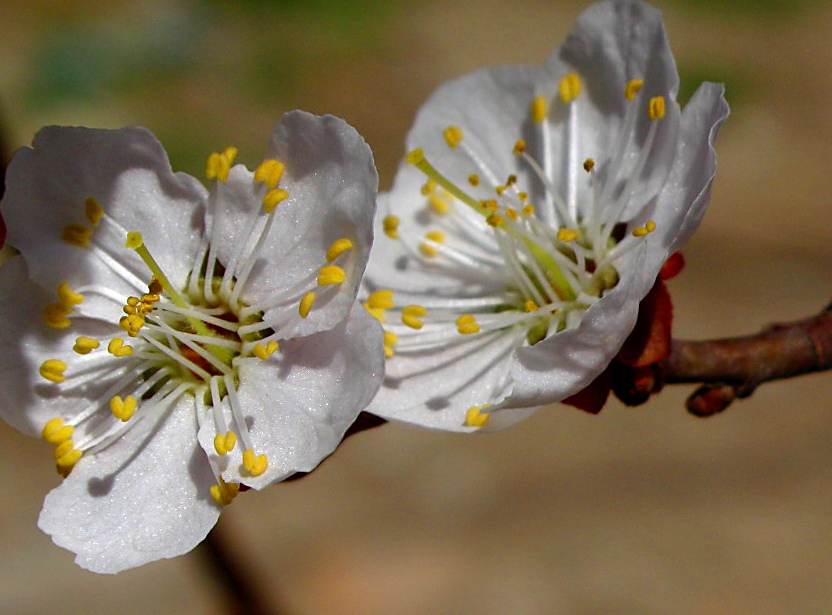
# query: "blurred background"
644, 511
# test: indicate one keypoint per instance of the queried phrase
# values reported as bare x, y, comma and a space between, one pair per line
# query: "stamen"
77, 235
467, 324
566, 235
569, 87
270, 172
519, 147
411, 315
56, 431
338, 247
390, 340
93, 211
53, 370
224, 493
438, 204
264, 352
434, 237
118, 348
657, 108
589, 164
272, 198
255, 464
219, 164
632, 88
331, 274
391, 226
123, 409
474, 180
85, 345
381, 299
306, 304
453, 135
223, 443
67, 296
55, 315
641, 231
475, 417
539, 109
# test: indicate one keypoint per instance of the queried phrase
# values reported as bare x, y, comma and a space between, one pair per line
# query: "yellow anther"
134, 240
511, 213
411, 315
56, 431
530, 306
435, 237
656, 108
567, 234
53, 370
132, 324
272, 198
381, 299
415, 156
223, 443
520, 147
67, 297
569, 87
85, 345
528, 210
338, 247
475, 417
500, 190
467, 324
269, 172
390, 340
331, 274
155, 287
93, 211
428, 187
218, 165
377, 313
632, 88
118, 348
230, 153
68, 460
491, 205
255, 464
523, 196
539, 109
55, 315
123, 409
63, 448
224, 493
77, 235
438, 204
306, 304
511, 180
496, 220
474, 179
589, 164
391, 226
453, 135
648, 228
263, 352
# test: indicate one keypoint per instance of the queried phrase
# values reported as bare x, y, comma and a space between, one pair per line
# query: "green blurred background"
633, 511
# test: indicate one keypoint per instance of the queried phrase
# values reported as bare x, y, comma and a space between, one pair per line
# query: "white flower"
174, 343
531, 216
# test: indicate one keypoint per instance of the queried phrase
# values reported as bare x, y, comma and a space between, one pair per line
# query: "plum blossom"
531, 216
174, 344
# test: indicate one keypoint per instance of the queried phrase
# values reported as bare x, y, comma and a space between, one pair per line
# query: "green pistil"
135, 242
418, 160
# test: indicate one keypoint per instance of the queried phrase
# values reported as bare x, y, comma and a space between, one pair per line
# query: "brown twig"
732, 368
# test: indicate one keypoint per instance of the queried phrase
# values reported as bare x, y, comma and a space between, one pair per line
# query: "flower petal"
298, 408
145, 497
127, 172
331, 181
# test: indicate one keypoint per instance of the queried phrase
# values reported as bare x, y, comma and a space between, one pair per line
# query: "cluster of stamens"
187, 340
539, 263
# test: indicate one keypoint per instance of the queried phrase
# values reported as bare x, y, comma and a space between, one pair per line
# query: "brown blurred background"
645, 511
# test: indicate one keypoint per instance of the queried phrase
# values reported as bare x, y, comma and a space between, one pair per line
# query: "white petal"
128, 173
299, 405
139, 500
331, 181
